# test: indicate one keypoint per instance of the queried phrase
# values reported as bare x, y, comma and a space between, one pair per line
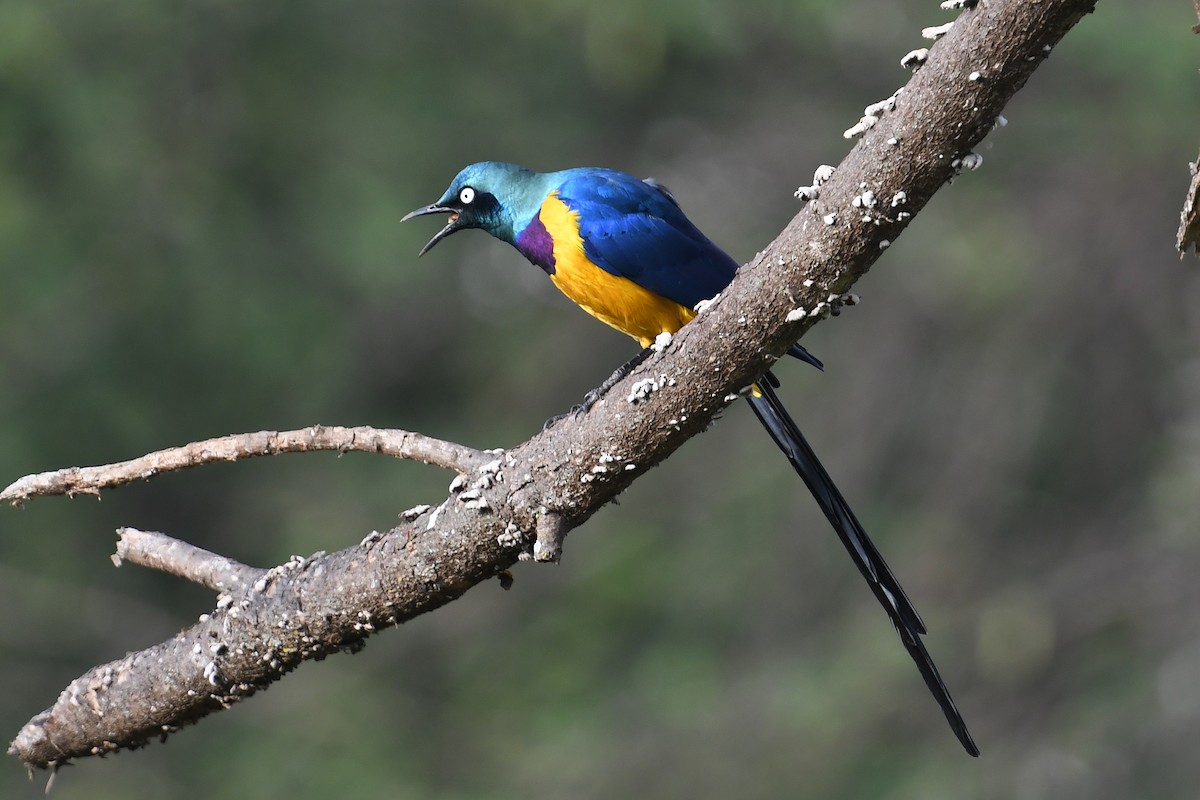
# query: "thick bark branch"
235, 447
309, 608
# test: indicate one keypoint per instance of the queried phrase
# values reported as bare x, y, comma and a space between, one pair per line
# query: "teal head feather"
496, 197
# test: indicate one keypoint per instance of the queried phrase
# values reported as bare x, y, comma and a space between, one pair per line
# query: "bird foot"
591, 398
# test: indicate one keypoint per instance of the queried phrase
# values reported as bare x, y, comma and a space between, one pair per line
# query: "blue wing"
635, 230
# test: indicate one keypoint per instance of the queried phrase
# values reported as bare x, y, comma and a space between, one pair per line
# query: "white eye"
467, 195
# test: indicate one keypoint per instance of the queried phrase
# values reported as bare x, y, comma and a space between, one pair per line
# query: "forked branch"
911, 145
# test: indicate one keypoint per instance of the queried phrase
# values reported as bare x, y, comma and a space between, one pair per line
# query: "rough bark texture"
309, 608
1189, 219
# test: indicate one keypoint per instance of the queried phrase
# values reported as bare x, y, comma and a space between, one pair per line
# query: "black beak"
450, 228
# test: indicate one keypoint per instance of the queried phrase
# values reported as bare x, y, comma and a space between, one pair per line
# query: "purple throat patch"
536, 243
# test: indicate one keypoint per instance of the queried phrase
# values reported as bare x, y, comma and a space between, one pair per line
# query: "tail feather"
870, 563
787, 436
797, 351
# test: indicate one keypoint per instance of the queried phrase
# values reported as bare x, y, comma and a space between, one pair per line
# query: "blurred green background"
199, 208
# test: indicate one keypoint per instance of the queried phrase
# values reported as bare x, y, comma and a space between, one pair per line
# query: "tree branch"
1189, 218
161, 552
235, 447
554, 482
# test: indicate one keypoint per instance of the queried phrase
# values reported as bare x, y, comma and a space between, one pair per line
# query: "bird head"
489, 195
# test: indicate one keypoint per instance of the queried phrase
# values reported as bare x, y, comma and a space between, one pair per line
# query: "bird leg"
594, 395
618, 375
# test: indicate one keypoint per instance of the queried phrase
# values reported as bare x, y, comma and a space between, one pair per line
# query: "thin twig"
1189, 219
401, 444
170, 555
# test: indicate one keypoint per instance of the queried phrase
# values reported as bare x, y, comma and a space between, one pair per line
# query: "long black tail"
870, 563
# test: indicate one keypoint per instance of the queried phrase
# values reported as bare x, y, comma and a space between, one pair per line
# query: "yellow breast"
616, 301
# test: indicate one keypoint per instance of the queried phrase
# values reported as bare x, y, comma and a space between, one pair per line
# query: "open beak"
450, 228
